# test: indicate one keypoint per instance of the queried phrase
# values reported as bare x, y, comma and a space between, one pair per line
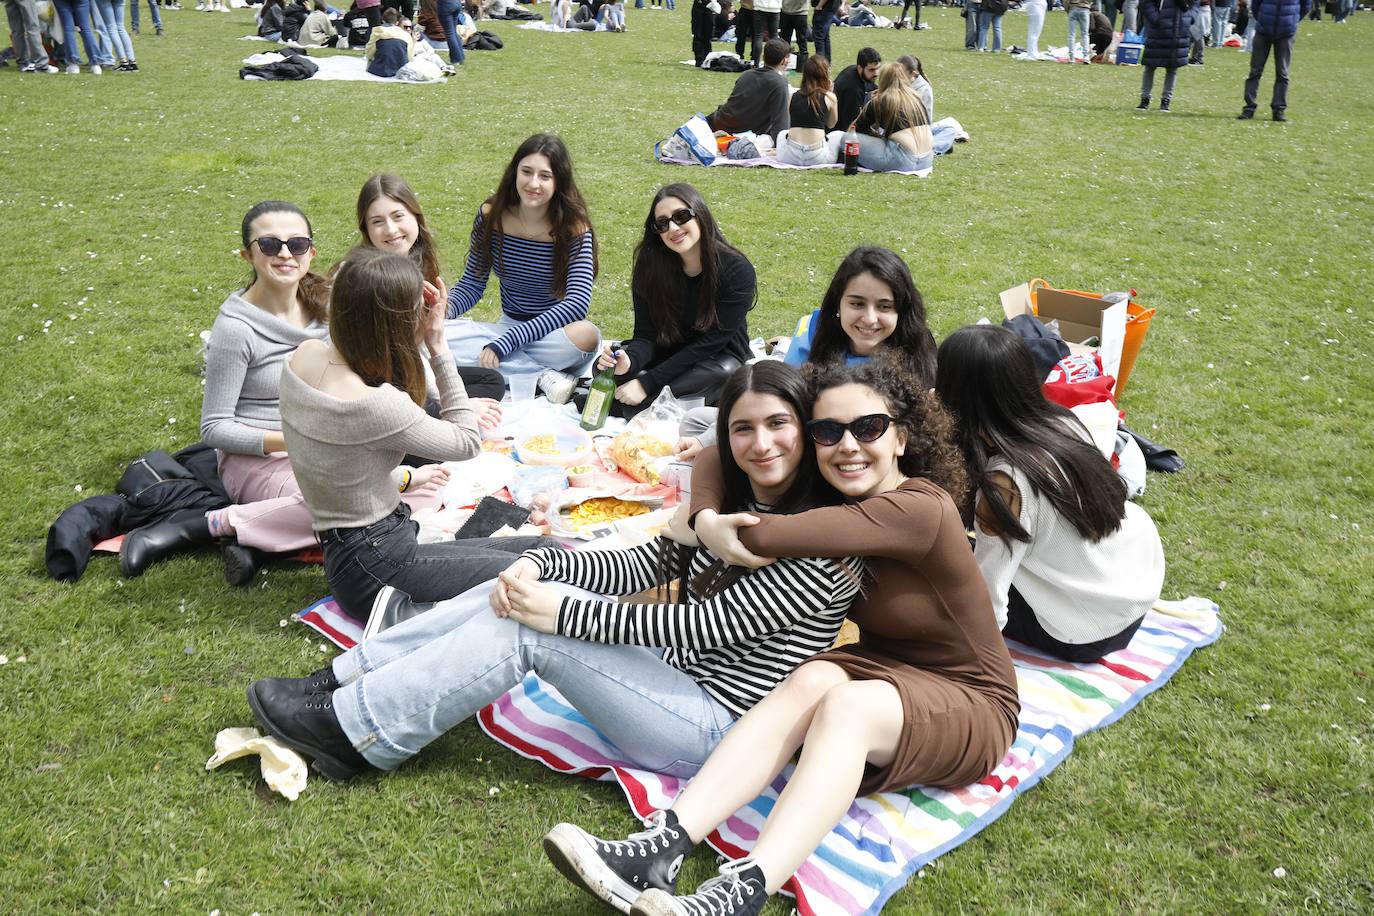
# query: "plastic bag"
532, 481
699, 139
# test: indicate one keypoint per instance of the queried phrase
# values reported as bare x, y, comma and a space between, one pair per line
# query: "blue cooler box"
1128, 53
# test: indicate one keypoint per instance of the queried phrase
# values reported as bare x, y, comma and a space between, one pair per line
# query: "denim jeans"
889, 156
1221, 16
1130, 11
986, 19
1147, 83
111, 15
1259, 57
822, 153
74, 13
971, 10
359, 561
553, 351
411, 683
1078, 23
821, 21
28, 38
448, 11
1035, 23
152, 8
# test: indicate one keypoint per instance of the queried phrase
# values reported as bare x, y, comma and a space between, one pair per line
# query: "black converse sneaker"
737, 891
618, 871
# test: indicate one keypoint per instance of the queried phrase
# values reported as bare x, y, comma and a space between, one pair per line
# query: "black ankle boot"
177, 532
241, 563
306, 724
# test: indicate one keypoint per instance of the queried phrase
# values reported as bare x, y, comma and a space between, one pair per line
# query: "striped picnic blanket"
883, 839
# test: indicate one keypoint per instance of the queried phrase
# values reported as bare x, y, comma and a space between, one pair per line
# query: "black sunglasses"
865, 429
681, 217
297, 245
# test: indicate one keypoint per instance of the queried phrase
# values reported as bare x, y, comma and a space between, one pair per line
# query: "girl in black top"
692, 290
812, 112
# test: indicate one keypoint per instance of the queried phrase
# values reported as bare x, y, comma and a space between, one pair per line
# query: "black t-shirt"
801, 113
852, 91
868, 124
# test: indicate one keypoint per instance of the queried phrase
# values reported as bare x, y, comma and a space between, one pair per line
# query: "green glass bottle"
599, 399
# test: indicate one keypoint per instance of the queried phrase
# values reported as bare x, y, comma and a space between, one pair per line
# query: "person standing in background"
1276, 25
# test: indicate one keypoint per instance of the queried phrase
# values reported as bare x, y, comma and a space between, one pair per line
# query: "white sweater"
1080, 591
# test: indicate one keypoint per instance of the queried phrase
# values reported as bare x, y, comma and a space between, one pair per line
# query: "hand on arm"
720, 535
534, 604
523, 569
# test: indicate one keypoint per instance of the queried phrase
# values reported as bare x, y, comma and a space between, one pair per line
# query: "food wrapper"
640, 456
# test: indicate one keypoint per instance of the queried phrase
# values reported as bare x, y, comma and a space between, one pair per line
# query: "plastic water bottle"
851, 151
599, 398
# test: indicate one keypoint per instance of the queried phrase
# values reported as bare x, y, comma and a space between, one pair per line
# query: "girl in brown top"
927, 696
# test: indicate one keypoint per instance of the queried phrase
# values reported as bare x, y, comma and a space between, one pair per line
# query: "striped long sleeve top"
738, 644
525, 269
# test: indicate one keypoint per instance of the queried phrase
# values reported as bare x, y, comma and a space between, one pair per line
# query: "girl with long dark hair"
351, 409
927, 696
390, 218
283, 305
812, 111
664, 681
535, 234
1071, 564
692, 291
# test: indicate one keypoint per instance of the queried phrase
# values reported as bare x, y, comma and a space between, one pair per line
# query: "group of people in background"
99, 24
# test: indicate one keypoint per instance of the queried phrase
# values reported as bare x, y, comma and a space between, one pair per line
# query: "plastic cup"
524, 386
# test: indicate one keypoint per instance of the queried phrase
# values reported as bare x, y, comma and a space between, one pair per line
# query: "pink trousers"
269, 512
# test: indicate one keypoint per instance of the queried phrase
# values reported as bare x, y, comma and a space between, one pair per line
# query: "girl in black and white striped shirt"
663, 681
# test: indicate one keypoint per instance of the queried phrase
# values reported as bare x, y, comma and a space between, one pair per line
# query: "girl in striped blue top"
535, 234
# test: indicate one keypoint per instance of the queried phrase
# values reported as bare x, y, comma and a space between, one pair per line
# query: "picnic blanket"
772, 162
885, 839
341, 67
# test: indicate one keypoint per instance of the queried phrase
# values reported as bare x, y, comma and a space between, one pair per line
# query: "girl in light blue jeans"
894, 128
110, 14
735, 634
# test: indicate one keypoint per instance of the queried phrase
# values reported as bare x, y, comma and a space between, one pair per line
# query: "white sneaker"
46, 68
200, 5
557, 386
73, 69
95, 70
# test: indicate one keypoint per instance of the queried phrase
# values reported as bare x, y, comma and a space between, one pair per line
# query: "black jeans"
703, 24
1023, 626
744, 29
765, 27
916, 4
821, 20
793, 25
359, 561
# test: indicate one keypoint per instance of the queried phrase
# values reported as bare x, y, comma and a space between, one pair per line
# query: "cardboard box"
1080, 318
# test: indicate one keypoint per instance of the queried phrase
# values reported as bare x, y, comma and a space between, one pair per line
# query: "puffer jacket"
1279, 18
1167, 27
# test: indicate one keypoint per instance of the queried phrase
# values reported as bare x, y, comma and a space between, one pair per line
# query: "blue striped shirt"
526, 275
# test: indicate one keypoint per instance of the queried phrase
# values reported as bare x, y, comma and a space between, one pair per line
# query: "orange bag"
1137, 326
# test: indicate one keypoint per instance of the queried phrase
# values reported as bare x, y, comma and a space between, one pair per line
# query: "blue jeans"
152, 8
111, 15
1221, 15
821, 21
971, 10
411, 683
553, 351
448, 11
888, 156
74, 13
1078, 22
988, 19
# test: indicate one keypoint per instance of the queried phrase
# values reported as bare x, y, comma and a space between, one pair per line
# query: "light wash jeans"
1035, 22
1078, 23
823, 153
971, 8
552, 351
409, 684
1221, 15
985, 20
1130, 11
110, 14
886, 156
152, 8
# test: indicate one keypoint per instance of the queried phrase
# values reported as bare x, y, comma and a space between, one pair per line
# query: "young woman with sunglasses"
871, 305
664, 681
535, 234
390, 218
283, 305
1071, 564
927, 696
692, 292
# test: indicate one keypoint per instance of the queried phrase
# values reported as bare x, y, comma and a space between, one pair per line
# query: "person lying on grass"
1072, 565
927, 696
665, 682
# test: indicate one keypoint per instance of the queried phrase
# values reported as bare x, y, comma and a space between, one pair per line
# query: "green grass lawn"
122, 196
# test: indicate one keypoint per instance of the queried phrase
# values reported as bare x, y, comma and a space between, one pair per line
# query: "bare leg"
858, 722
756, 749
584, 335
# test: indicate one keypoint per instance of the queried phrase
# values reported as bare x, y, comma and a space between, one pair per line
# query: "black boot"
321, 681
241, 563
177, 532
306, 724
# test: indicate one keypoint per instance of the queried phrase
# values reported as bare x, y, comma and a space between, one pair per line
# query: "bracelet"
405, 480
